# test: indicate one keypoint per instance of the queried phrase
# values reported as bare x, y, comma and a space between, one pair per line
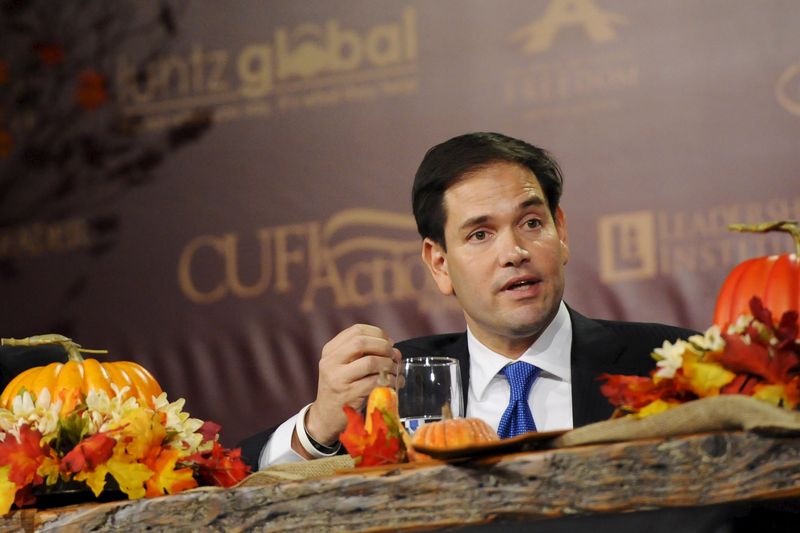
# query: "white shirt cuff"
278, 449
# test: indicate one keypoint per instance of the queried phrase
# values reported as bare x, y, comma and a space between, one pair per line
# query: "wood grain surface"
697, 470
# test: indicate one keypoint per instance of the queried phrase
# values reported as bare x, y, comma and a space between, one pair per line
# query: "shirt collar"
550, 352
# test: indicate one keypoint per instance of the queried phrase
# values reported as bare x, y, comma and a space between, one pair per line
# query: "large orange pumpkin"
775, 279
74, 379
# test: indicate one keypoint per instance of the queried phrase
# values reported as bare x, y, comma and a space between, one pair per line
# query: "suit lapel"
595, 350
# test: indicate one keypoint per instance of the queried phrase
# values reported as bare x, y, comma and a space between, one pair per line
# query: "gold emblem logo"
787, 89
311, 49
627, 246
302, 67
356, 258
598, 24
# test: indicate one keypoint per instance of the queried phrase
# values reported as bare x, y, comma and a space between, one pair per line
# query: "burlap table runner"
298, 471
718, 413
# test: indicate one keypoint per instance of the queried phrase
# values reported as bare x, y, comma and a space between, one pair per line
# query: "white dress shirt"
550, 397
278, 449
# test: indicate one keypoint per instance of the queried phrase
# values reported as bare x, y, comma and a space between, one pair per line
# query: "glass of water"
424, 386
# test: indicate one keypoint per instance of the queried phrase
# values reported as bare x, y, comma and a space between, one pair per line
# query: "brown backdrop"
215, 191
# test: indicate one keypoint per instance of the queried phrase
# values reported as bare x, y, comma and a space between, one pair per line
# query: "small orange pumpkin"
775, 279
74, 379
453, 432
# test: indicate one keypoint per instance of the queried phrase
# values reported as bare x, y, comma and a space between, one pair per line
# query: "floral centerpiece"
748, 350
756, 355
103, 434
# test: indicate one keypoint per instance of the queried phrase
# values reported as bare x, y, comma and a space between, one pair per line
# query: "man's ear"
435, 258
561, 228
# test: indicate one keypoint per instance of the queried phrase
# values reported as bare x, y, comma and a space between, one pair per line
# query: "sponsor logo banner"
644, 245
552, 80
358, 257
307, 66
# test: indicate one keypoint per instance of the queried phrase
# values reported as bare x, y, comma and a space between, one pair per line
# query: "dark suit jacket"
598, 346
16, 359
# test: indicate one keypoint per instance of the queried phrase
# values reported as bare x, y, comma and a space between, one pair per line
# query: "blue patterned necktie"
517, 419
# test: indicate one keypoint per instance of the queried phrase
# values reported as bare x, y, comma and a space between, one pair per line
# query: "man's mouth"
519, 284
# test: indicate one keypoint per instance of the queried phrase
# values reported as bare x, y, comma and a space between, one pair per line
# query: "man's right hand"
348, 371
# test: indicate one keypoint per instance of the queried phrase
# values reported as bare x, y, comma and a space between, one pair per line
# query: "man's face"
505, 255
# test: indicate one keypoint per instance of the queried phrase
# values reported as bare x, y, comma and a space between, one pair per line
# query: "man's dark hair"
447, 163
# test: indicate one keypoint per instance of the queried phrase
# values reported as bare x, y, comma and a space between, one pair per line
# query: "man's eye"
534, 223
478, 235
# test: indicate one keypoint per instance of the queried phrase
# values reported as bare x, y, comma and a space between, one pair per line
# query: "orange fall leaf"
379, 447
89, 453
167, 479
23, 455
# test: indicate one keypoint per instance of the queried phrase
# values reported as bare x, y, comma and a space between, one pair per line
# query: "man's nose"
513, 253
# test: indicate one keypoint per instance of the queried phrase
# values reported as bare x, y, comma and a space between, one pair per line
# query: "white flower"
740, 326
670, 358
106, 412
98, 401
41, 414
179, 422
711, 341
7, 422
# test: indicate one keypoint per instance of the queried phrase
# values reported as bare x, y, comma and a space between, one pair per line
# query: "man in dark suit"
598, 346
495, 238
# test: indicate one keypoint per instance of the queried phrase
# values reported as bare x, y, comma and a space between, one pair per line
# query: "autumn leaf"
742, 384
23, 455
220, 466
381, 446
354, 437
629, 391
50, 469
129, 475
89, 454
777, 394
706, 379
754, 358
760, 313
209, 430
95, 479
166, 479
785, 333
655, 407
142, 430
8, 490
787, 330
90, 460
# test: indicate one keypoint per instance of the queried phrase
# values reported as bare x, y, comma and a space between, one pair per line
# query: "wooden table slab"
697, 470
